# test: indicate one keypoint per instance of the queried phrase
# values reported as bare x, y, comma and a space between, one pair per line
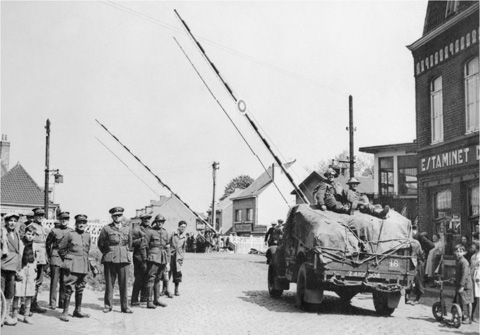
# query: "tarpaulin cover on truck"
344, 234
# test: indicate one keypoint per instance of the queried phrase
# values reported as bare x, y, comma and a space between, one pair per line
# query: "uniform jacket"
139, 242
12, 249
39, 243
269, 234
115, 244
462, 274
74, 249
53, 242
178, 243
325, 189
158, 246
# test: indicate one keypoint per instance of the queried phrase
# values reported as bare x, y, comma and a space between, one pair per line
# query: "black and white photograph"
240, 167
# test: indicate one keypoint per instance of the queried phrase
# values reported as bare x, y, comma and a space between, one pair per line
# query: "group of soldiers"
330, 195
27, 247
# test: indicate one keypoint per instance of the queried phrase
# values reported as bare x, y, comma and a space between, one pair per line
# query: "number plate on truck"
394, 265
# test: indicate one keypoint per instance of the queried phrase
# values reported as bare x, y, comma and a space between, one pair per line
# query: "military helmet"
159, 217
353, 180
330, 172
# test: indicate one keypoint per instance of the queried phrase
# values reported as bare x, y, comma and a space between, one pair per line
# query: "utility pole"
47, 166
351, 129
214, 173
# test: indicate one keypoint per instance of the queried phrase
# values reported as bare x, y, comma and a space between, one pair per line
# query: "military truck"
346, 254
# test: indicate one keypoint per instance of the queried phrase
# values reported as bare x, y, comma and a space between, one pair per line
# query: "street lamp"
57, 175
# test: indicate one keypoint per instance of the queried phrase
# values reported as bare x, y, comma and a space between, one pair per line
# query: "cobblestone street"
226, 293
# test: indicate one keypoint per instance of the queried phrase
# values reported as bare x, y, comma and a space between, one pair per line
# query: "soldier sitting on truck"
360, 201
330, 195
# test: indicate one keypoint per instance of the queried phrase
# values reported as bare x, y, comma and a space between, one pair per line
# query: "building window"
473, 208
238, 215
249, 214
471, 95
452, 6
436, 103
407, 175
386, 175
443, 203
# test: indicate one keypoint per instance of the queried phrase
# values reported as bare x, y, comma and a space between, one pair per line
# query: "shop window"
238, 215
386, 175
249, 214
473, 208
436, 106
407, 175
471, 95
443, 204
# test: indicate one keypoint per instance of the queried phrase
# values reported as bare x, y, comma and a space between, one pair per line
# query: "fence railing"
243, 244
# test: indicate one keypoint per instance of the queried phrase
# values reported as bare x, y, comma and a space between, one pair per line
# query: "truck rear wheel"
272, 274
301, 289
380, 301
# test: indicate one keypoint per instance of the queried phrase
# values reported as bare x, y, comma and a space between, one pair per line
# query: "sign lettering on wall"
462, 156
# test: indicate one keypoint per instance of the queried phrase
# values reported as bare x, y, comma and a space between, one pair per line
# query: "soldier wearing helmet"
139, 245
158, 260
360, 201
329, 194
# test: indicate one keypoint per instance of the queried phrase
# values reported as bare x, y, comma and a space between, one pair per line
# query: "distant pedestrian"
74, 249
158, 260
463, 282
114, 243
139, 246
435, 258
269, 236
418, 259
56, 271
177, 249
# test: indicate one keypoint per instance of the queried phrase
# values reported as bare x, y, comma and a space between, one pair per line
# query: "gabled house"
265, 200
174, 211
224, 213
21, 194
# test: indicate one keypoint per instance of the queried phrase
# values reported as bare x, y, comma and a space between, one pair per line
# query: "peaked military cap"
81, 218
64, 215
29, 214
145, 216
116, 210
159, 217
38, 211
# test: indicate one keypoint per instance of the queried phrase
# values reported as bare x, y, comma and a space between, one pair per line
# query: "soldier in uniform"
330, 195
158, 259
139, 259
40, 251
361, 202
177, 248
114, 243
56, 271
74, 249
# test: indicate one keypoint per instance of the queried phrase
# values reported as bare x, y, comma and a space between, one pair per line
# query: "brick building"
446, 66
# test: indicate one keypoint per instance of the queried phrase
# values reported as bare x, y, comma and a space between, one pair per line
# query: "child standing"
25, 285
463, 282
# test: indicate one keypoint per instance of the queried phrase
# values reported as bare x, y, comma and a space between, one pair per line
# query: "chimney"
5, 152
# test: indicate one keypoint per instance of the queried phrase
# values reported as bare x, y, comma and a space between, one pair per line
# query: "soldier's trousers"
336, 206
111, 272
56, 277
419, 277
155, 273
38, 280
140, 271
74, 281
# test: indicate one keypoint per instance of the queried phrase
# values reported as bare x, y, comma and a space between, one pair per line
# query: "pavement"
225, 293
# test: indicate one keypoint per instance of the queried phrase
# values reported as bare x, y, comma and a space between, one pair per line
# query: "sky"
293, 63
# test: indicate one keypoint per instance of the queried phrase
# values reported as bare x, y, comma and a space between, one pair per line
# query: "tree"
242, 182
363, 164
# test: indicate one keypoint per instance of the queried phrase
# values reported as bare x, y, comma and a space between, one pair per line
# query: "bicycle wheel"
437, 311
456, 316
